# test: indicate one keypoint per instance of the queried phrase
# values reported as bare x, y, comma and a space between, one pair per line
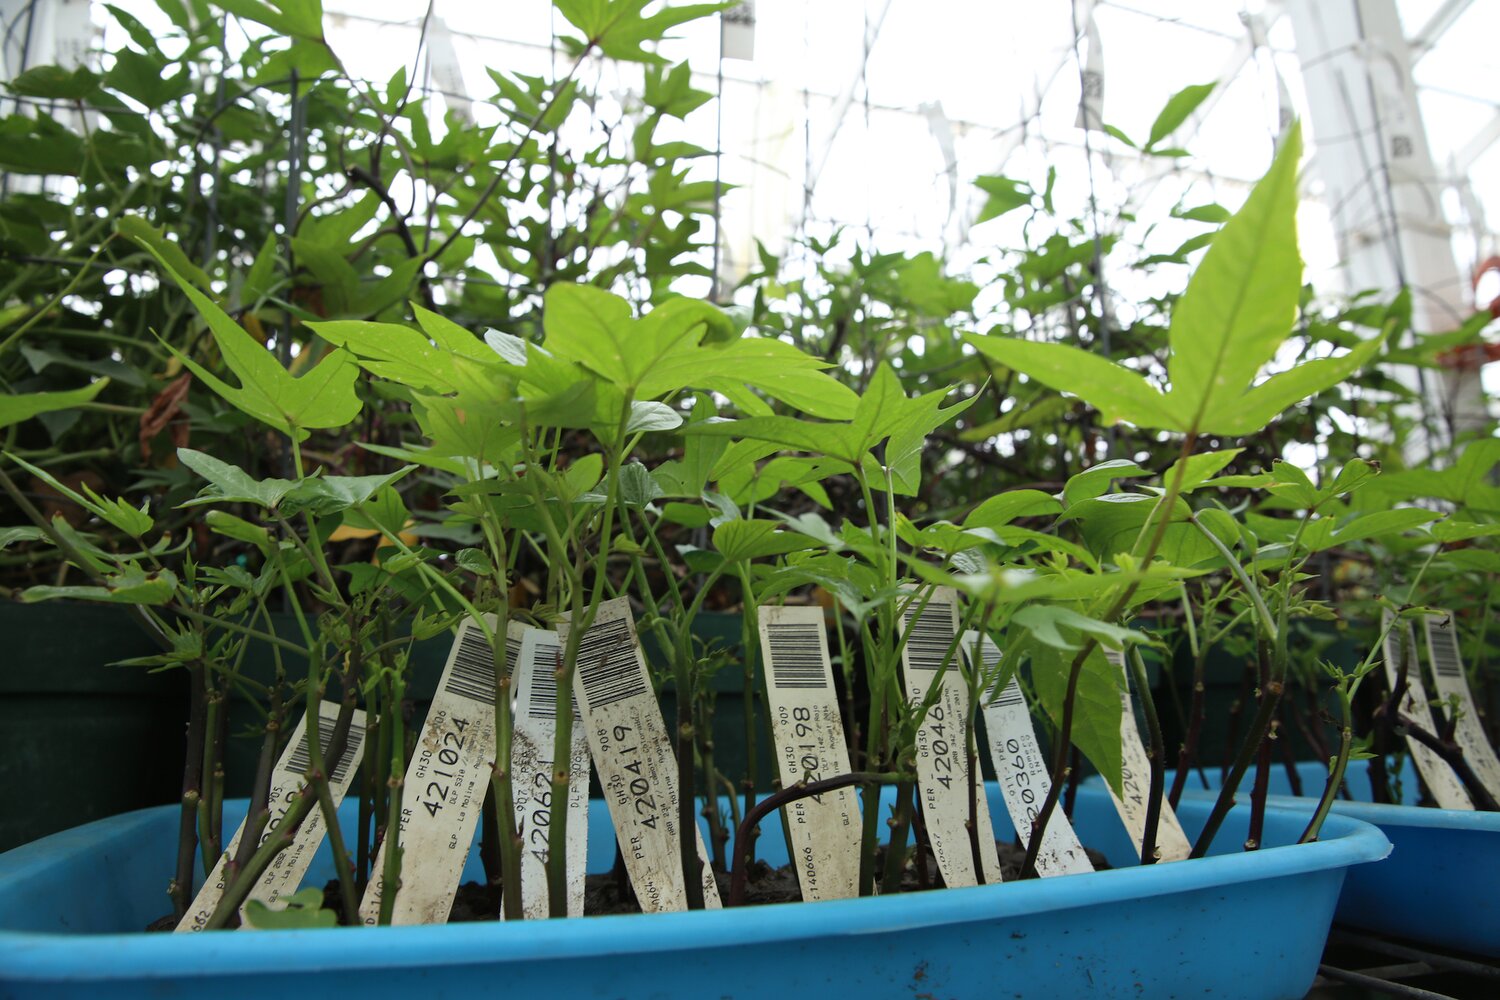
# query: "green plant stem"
900, 824
192, 791
1058, 776
391, 872
1157, 752
52, 303
749, 644
1270, 695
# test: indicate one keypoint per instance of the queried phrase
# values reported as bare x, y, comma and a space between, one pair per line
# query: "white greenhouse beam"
1469, 152
1437, 26
1383, 191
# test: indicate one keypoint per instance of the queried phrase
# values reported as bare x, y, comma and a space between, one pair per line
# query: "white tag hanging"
943, 777
446, 782
737, 31
1446, 788
1135, 781
1021, 768
532, 767
1091, 78
810, 744
285, 872
634, 757
1448, 677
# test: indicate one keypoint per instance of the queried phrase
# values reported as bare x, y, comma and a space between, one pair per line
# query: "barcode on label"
796, 657
301, 759
473, 673
929, 635
607, 667
543, 701
1011, 695
1444, 648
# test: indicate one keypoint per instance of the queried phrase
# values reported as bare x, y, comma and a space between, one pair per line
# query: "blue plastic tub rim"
1347, 842
1314, 775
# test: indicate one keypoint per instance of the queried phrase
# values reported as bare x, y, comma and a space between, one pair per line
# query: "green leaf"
1241, 301
1116, 392
652, 416
131, 586
1292, 484
1255, 409
740, 540
20, 533
230, 484
294, 18
618, 28
1096, 711
1043, 621
326, 495
1459, 531
54, 83
1176, 111
14, 409
1095, 480
224, 523
261, 278
1006, 507
1326, 533
1355, 473
323, 397
301, 909
1199, 468
135, 522
1005, 195
637, 488
1210, 212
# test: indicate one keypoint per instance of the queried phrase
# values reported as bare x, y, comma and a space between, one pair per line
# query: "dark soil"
607, 894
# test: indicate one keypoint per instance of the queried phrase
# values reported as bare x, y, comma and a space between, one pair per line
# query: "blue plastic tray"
1441, 883
1242, 925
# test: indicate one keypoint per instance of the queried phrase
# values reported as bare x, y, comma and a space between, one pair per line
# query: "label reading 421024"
445, 785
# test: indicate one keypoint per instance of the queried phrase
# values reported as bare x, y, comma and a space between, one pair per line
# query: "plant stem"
1164, 507
1156, 752
787, 796
192, 789
391, 873
895, 850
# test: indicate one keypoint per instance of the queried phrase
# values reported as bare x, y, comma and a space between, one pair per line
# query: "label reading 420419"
634, 758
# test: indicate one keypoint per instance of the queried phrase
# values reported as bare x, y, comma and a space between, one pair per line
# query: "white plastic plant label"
1021, 768
446, 782
634, 757
1135, 781
943, 777
532, 767
810, 745
285, 872
1401, 644
1448, 677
